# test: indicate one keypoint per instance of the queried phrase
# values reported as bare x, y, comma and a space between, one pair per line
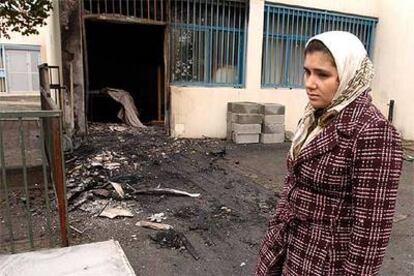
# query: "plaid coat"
336, 210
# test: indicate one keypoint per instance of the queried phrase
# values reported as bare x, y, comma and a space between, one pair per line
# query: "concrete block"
247, 128
248, 118
274, 119
273, 128
244, 107
228, 133
272, 138
245, 138
230, 119
273, 109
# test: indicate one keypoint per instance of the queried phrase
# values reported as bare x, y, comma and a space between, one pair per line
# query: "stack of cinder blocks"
244, 122
273, 130
249, 122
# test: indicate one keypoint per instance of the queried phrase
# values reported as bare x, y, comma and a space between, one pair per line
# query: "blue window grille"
208, 42
286, 30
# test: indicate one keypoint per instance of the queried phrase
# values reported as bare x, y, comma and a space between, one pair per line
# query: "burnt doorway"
128, 57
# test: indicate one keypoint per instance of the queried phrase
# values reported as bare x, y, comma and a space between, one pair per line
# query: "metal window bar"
143, 9
286, 30
208, 42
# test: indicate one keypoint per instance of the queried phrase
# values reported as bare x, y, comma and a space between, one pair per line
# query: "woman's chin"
315, 104
318, 104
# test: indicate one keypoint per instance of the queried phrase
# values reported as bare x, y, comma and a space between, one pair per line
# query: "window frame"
4, 72
210, 31
311, 21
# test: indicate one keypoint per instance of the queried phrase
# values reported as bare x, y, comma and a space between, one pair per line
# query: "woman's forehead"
319, 59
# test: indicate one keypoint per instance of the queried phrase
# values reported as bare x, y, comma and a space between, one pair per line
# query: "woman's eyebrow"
317, 70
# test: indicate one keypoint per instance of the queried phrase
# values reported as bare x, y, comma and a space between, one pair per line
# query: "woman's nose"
310, 82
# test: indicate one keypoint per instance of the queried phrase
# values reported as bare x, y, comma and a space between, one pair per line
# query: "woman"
335, 213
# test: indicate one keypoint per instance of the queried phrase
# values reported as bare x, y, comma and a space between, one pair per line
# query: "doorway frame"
121, 19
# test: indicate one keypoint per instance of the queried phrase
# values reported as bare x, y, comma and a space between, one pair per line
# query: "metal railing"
33, 205
49, 77
153, 10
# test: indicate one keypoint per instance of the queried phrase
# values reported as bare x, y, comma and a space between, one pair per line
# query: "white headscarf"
355, 72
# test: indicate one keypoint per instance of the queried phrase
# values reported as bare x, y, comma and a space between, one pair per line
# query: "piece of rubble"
169, 238
80, 200
118, 128
111, 212
174, 239
157, 217
188, 246
164, 191
98, 158
408, 157
95, 206
399, 217
153, 225
118, 189
111, 166
218, 153
77, 168
96, 164
76, 229
101, 192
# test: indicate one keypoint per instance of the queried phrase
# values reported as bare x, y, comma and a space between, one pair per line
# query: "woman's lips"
313, 97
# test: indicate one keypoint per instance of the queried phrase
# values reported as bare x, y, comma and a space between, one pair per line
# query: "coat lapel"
343, 126
324, 142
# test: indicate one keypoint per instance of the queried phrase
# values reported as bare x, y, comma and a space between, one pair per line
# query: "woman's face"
321, 79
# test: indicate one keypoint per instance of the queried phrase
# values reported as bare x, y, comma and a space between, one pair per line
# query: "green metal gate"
33, 206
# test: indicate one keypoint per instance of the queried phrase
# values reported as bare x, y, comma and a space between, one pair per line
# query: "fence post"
58, 176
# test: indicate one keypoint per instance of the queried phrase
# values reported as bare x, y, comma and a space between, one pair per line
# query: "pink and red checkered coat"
337, 206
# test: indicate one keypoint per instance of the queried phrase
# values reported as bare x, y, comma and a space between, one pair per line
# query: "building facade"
184, 60
20, 56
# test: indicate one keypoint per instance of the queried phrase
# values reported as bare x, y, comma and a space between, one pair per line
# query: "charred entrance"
128, 57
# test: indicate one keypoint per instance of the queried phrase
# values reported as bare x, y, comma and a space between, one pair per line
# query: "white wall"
393, 60
197, 111
39, 40
53, 46
48, 38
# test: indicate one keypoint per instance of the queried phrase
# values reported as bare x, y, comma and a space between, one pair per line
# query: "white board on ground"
100, 258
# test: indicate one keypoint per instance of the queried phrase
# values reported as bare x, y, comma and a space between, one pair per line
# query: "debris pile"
118, 170
91, 179
127, 175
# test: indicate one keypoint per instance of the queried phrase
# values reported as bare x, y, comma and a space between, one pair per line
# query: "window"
2, 71
18, 68
208, 42
286, 30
